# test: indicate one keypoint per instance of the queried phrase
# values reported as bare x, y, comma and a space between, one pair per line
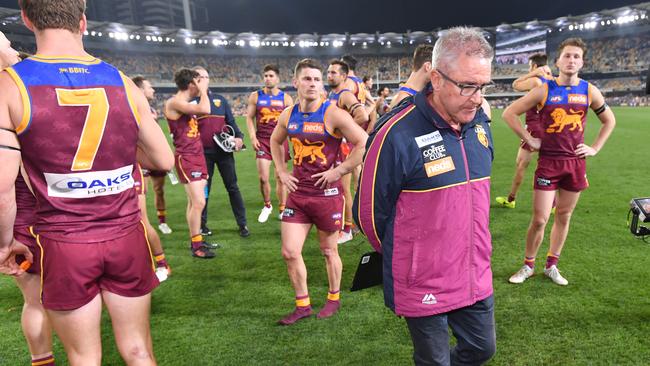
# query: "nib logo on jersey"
89, 184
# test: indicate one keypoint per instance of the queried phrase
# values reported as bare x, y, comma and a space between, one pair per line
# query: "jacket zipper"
471, 212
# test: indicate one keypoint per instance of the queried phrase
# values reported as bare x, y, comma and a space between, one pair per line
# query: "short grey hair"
457, 41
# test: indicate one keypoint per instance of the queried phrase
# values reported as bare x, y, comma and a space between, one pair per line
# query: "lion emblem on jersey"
481, 135
193, 132
313, 150
562, 119
269, 115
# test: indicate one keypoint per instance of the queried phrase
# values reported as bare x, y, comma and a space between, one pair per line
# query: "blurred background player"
346, 99
181, 115
382, 106
368, 83
220, 120
315, 128
419, 76
97, 251
162, 267
264, 107
562, 165
157, 177
538, 73
35, 325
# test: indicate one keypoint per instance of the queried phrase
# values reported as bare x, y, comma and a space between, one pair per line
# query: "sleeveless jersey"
78, 134
407, 90
268, 109
187, 139
563, 117
532, 115
360, 91
314, 149
25, 204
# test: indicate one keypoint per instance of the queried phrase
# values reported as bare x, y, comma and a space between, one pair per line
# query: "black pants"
225, 162
473, 327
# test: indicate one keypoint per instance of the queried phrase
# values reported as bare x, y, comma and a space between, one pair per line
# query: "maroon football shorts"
191, 168
326, 212
74, 273
568, 174
23, 235
264, 151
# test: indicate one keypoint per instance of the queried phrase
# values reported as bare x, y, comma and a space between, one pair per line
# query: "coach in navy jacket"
424, 202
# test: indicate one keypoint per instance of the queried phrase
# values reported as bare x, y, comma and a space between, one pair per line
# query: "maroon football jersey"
268, 110
78, 136
25, 204
314, 149
187, 138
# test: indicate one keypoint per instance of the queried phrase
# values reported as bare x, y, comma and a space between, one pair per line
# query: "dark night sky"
355, 16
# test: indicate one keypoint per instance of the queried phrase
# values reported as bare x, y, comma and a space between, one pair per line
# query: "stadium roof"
10, 20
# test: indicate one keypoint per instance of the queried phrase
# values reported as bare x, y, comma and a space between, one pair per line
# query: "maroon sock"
330, 308
530, 262
552, 259
44, 361
300, 312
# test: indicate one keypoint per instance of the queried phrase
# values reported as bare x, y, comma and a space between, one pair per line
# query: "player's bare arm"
356, 109
177, 106
278, 138
10, 115
341, 122
251, 110
606, 117
519, 107
153, 151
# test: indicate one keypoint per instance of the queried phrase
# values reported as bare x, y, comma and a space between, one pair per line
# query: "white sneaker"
345, 236
522, 274
164, 228
554, 274
264, 215
280, 216
162, 274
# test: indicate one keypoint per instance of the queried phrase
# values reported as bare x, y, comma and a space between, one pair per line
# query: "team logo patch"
277, 103
481, 135
543, 182
428, 139
313, 127
263, 102
433, 152
439, 166
562, 118
577, 99
293, 126
307, 149
217, 102
268, 115
288, 212
331, 192
89, 184
556, 99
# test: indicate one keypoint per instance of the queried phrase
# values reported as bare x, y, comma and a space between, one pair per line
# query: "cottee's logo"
577, 99
315, 128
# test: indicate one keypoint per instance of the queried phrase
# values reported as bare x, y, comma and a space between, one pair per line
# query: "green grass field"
223, 311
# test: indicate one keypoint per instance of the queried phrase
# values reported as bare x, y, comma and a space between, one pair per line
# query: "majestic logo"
193, 132
313, 127
543, 182
89, 184
577, 99
269, 115
562, 119
428, 139
313, 150
429, 299
331, 192
217, 102
481, 135
288, 212
556, 99
439, 166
